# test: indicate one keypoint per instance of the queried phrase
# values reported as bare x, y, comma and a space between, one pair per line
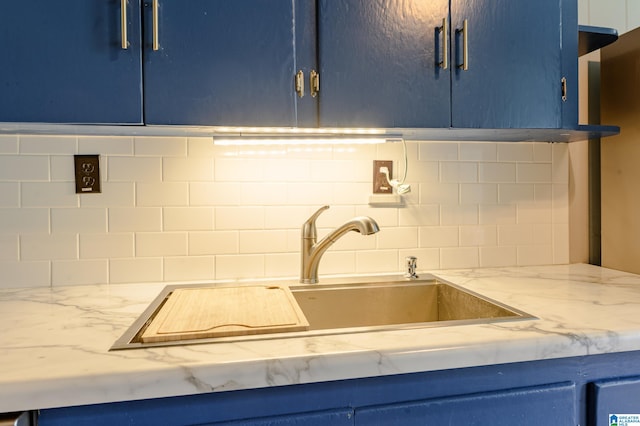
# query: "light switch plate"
87, 168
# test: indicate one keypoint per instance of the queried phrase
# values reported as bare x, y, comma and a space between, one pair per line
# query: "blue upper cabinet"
219, 62
413, 64
512, 76
66, 61
382, 64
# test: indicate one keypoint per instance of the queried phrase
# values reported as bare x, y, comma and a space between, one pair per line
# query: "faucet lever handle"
309, 227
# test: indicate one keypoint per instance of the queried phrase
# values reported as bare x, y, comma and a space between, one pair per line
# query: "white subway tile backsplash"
263, 242
263, 194
114, 194
497, 172
498, 214
439, 236
41, 144
162, 194
189, 268
439, 193
515, 152
9, 194
49, 247
106, 246
25, 274
157, 244
137, 270
419, 215
24, 168
376, 261
49, 194
239, 218
238, 170
187, 169
491, 257
135, 169
535, 255
459, 257
542, 152
176, 208
213, 242
79, 272
24, 221
187, 219
459, 215
63, 170
534, 173
454, 172
214, 193
478, 193
515, 235
239, 266
337, 262
399, 238
160, 146
510, 193
478, 236
478, 151
200, 147
105, 145
8, 144
438, 151
135, 219
9, 248
282, 265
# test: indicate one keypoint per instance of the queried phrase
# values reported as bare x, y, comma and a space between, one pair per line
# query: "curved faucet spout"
312, 251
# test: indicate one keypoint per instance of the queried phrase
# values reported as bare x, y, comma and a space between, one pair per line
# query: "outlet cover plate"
380, 183
87, 170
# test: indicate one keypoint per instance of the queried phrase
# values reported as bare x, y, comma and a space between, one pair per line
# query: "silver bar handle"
464, 66
124, 41
444, 29
156, 42
299, 83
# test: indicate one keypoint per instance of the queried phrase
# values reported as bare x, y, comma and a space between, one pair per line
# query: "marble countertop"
54, 343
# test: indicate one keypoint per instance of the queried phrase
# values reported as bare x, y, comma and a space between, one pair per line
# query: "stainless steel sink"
373, 304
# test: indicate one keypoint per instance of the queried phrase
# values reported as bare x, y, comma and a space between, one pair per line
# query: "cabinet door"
617, 397
379, 64
514, 64
63, 62
544, 405
220, 62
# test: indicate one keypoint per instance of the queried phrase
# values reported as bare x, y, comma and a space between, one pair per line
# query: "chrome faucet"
312, 251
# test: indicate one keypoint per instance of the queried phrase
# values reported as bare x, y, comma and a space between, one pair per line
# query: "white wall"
623, 15
181, 209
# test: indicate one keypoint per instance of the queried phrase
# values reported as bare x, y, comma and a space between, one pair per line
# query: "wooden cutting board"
194, 313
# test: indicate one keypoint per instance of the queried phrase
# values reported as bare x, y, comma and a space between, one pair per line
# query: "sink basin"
366, 306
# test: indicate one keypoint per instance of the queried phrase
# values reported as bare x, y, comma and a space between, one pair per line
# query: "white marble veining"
54, 343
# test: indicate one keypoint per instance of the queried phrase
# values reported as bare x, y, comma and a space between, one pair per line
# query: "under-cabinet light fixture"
297, 140
300, 136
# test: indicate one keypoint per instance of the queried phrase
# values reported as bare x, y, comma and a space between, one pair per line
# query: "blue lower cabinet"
547, 405
342, 417
612, 400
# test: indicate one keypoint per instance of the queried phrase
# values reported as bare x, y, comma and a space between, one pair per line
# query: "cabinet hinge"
564, 89
314, 83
